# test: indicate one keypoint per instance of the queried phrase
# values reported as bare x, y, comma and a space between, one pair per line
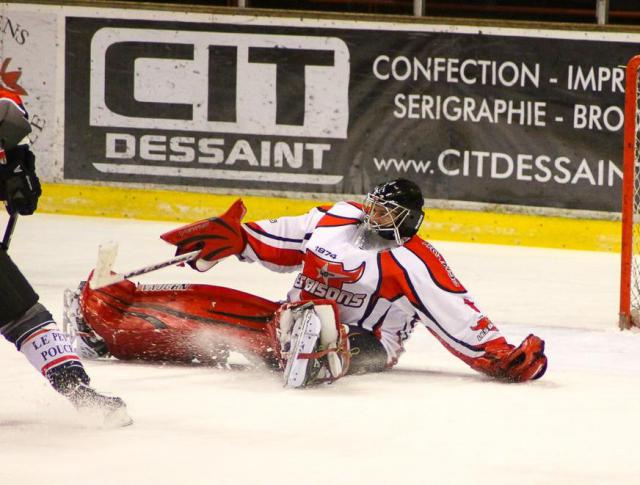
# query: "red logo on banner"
9, 79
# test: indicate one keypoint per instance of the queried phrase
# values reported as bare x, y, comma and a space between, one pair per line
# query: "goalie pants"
16, 294
367, 353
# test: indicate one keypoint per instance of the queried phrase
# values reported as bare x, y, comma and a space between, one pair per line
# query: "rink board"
440, 224
502, 113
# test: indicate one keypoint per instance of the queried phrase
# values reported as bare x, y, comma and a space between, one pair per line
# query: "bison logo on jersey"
483, 326
325, 279
334, 274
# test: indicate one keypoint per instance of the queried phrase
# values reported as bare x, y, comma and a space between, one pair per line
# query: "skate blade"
98, 418
118, 419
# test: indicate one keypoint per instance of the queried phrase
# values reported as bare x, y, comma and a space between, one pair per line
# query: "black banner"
484, 117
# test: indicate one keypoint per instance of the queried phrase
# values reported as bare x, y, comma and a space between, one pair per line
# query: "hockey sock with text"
37, 336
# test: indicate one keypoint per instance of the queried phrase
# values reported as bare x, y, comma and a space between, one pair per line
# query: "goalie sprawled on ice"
365, 279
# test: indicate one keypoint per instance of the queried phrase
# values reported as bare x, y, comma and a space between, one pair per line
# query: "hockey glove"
215, 238
19, 184
519, 364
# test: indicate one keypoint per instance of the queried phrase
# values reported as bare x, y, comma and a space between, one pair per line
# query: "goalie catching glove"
215, 238
312, 344
513, 364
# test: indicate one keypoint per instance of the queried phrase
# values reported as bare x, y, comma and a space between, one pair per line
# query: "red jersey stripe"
465, 358
270, 254
59, 361
34, 335
393, 280
256, 228
435, 264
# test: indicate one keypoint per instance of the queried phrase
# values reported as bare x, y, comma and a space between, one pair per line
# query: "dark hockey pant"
16, 294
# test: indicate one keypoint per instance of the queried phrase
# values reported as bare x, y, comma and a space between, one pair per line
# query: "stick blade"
103, 274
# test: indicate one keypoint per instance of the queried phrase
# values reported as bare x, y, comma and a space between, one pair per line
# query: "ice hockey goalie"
364, 281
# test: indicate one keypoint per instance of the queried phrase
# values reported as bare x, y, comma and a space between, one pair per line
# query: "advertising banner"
496, 117
28, 68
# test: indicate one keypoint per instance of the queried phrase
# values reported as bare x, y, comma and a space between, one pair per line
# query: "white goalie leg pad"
330, 339
313, 345
303, 339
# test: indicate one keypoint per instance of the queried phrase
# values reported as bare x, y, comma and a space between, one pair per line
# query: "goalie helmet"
394, 210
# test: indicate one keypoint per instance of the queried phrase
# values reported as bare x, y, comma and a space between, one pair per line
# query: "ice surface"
430, 421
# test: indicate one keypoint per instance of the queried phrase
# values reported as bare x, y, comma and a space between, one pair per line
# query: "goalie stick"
13, 218
103, 275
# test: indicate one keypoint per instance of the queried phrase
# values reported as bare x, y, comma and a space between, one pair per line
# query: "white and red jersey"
387, 291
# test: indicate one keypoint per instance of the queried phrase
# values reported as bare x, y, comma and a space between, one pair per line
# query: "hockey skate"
72, 381
84, 340
110, 411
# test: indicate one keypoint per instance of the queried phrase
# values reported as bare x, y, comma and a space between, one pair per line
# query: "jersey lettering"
325, 279
321, 290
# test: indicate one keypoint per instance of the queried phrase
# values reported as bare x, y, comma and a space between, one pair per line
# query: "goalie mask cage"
630, 247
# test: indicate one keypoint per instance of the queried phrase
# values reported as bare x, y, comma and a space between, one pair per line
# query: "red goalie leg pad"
216, 238
513, 364
178, 322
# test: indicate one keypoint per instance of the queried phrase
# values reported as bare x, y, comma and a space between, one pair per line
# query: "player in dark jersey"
23, 320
